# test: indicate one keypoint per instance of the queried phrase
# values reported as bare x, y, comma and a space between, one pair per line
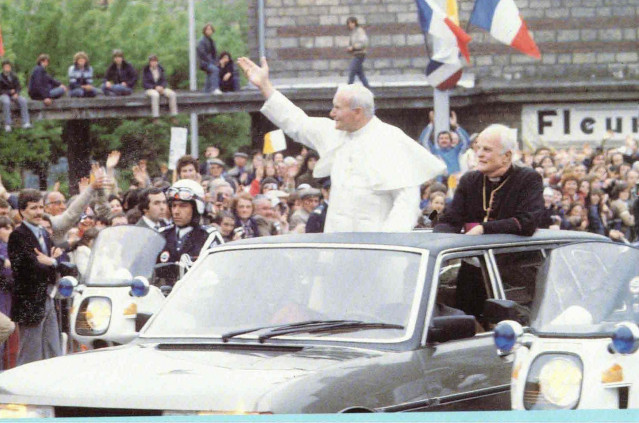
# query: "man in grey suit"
153, 207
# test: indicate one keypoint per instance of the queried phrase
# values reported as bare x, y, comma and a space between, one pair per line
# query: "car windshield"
250, 290
585, 289
121, 253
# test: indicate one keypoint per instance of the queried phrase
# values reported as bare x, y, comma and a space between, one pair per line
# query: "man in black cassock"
498, 197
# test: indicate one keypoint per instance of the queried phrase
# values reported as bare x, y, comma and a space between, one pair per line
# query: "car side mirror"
497, 310
448, 328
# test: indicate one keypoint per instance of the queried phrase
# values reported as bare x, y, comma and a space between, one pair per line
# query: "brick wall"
582, 39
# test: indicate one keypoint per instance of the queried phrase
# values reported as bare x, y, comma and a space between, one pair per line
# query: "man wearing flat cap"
241, 172
375, 168
216, 170
310, 200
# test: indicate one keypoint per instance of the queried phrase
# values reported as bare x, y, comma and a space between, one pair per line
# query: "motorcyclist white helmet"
187, 190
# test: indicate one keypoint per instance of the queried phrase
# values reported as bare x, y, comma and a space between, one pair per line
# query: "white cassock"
375, 172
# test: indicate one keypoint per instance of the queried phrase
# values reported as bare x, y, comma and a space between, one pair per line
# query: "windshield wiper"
312, 326
229, 335
345, 325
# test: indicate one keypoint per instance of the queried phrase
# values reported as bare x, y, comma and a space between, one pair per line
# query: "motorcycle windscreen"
586, 288
121, 253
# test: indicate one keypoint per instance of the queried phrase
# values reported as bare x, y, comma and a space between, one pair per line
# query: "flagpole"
471, 15
441, 99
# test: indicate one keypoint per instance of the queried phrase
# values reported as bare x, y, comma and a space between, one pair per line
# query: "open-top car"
580, 350
326, 323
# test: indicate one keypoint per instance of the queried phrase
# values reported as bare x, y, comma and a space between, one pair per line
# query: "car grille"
103, 412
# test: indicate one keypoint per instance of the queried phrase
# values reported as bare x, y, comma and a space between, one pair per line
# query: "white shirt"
375, 171
151, 224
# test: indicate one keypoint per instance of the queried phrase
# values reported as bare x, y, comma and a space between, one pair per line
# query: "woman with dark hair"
80, 252
306, 171
229, 77
225, 221
115, 203
622, 219
243, 211
575, 219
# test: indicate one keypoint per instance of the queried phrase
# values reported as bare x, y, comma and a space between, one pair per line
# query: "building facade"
589, 66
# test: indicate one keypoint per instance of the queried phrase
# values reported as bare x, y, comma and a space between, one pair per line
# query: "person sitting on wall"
81, 77
154, 82
120, 77
229, 76
43, 86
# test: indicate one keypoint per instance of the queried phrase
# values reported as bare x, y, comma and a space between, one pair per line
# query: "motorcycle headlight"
22, 411
94, 316
554, 382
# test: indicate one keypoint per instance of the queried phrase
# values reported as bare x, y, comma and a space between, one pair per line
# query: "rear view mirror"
448, 328
497, 310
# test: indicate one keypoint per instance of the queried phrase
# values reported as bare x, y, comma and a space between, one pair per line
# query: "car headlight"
554, 382
94, 316
22, 411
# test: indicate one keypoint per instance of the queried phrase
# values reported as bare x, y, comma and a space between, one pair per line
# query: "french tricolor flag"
435, 22
501, 18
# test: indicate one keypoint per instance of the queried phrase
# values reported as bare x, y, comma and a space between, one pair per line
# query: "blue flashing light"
139, 287
505, 336
66, 287
625, 340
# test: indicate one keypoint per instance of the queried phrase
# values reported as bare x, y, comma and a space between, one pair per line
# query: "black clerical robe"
516, 207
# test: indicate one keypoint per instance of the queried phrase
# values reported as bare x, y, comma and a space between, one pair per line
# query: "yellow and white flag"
274, 141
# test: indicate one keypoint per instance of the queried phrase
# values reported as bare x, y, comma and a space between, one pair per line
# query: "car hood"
172, 377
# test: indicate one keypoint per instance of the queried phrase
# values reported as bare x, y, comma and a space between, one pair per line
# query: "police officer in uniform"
186, 236
315, 223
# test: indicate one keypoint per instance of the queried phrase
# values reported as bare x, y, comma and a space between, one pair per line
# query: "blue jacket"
79, 77
41, 83
147, 78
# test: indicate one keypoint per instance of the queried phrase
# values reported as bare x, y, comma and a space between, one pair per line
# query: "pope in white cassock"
376, 170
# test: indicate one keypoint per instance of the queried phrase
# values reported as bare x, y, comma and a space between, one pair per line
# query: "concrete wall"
579, 39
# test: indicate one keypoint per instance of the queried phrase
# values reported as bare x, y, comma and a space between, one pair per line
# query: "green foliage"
139, 28
28, 149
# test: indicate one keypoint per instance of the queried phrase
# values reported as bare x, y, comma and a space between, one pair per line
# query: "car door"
516, 269
464, 374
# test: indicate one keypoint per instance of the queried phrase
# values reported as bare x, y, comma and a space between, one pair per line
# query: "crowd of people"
120, 79
474, 184
584, 188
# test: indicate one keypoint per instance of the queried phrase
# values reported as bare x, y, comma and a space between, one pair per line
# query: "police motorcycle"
107, 302
578, 347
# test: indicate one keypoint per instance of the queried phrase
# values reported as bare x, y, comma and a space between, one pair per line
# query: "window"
518, 271
464, 284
